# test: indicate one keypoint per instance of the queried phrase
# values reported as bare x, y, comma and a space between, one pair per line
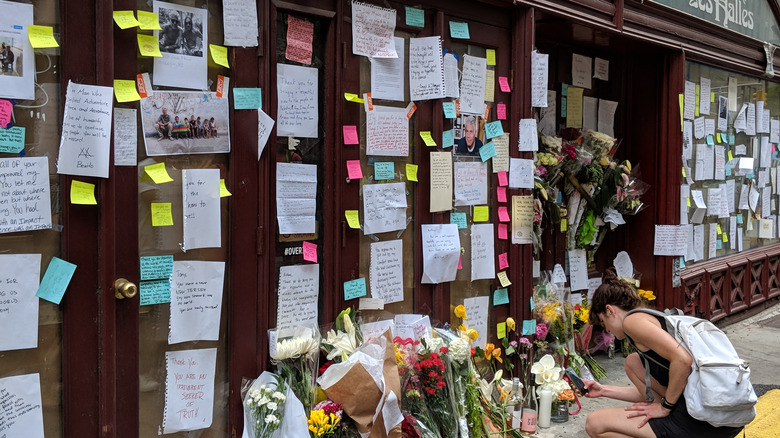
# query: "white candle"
545, 405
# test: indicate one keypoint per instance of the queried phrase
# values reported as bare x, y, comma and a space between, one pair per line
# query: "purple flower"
525, 341
513, 344
541, 331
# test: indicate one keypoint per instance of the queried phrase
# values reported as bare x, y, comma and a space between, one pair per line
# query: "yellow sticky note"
223, 191
683, 171
504, 279
725, 238
481, 213
41, 36
717, 136
219, 55
564, 225
501, 330
688, 200
731, 156
696, 106
148, 20
712, 96
148, 45
491, 57
161, 214
719, 231
353, 98
157, 173
411, 172
427, 138
125, 19
125, 91
82, 193
352, 218
682, 105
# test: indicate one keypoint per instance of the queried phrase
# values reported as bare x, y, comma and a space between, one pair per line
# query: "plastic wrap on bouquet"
271, 411
435, 379
553, 307
458, 374
296, 359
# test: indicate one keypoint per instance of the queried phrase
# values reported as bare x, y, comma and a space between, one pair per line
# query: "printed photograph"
10, 55
181, 122
182, 32
468, 129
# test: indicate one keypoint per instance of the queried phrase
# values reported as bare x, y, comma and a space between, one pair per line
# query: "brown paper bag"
358, 394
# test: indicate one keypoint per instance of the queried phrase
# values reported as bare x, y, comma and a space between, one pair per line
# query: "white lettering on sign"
726, 11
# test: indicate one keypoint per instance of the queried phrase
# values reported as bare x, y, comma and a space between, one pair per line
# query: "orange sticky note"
503, 214
503, 181
310, 252
501, 194
502, 231
354, 170
501, 111
350, 134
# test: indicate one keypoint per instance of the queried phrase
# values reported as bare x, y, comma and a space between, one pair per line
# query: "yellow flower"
489, 351
510, 324
460, 311
497, 355
646, 294
473, 334
462, 328
584, 315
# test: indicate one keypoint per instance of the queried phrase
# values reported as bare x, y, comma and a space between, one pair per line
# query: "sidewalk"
756, 340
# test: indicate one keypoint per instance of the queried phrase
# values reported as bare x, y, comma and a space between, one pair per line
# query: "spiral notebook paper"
189, 389
426, 69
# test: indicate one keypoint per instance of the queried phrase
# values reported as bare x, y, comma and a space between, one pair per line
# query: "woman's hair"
612, 291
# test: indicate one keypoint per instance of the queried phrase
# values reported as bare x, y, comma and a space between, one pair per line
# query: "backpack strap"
649, 397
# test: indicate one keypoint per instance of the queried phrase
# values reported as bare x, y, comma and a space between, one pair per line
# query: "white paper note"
426, 72
25, 203
704, 95
477, 311
547, 115
202, 208
125, 137
623, 265
578, 269
296, 183
501, 160
189, 389
239, 19
581, 69
441, 252
539, 78
384, 207
522, 219
521, 173
451, 83
472, 85
299, 290
196, 300
297, 89
471, 183
264, 126
750, 128
527, 140
689, 100
86, 131
698, 242
590, 113
607, 110
601, 69
740, 122
670, 240
387, 75
386, 272
483, 264
712, 241
19, 279
20, 404
372, 31
184, 61
441, 181
387, 132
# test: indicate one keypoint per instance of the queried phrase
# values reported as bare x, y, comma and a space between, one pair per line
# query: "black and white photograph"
183, 45
182, 32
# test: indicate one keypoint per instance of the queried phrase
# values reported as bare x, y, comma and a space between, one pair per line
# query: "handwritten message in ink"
86, 131
299, 289
21, 412
297, 91
202, 209
25, 202
386, 274
19, 276
196, 301
189, 389
387, 132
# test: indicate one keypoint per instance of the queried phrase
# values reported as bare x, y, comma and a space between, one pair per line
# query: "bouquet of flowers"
296, 361
325, 420
417, 417
431, 369
457, 359
264, 408
548, 375
554, 309
583, 331
340, 343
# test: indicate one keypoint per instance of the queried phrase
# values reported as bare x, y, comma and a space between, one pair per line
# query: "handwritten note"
521, 173
539, 77
56, 280
459, 30
472, 85
125, 19
372, 31
196, 301
300, 34
427, 138
201, 209
481, 213
239, 21
125, 137
601, 69
297, 90
447, 138
125, 91
441, 252
247, 98
386, 273
458, 219
157, 173
19, 278
41, 37
154, 292
451, 71
441, 181
482, 254
470, 183
387, 132
25, 202
148, 20
493, 129
86, 131
426, 71
82, 193
411, 172
350, 134
522, 219
189, 389
487, 151
354, 170
161, 214
219, 54
671, 240
148, 45
581, 68
384, 170
415, 17
353, 220
354, 289
527, 140
449, 109
387, 75
12, 139
574, 107
156, 267
310, 252
384, 207
296, 197
299, 288
264, 125
578, 269
20, 403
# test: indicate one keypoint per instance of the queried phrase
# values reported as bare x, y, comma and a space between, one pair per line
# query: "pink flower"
541, 331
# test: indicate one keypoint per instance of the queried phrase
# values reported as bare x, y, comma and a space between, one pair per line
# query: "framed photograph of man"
185, 122
469, 135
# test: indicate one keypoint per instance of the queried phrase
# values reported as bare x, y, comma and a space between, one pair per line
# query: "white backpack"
718, 390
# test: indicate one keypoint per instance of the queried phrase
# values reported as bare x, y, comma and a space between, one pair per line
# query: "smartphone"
575, 379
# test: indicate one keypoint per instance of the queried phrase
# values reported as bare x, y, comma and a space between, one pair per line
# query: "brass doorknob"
124, 289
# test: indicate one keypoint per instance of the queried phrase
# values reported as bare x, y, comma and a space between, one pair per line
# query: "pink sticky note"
310, 252
5, 112
503, 82
503, 261
501, 194
502, 231
773, 148
460, 262
350, 134
353, 169
502, 179
501, 110
503, 214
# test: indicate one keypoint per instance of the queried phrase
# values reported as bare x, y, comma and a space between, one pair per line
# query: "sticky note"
503, 84
501, 194
355, 288
493, 129
460, 262
459, 30
449, 109
384, 170
411, 172
502, 231
350, 134
82, 193
149, 20
739, 218
719, 230
719, 245
353, 98
459, 219
154, 292
125, 19
503, 181
529, 326
12, 139
727, 169
501, 111
415, 17
503, 261
352, 218
125, 91
564, 105
710, 140
504, 279
564, 225
447, 138
481, 213
564, 89
712, 96
490, 55
487, 151
148, 45
219, 54
688, 200
55, 280
156, 267
41, 37
354, 170
717, 137
501, 330
161, 214
683, 171
157, 173
725, 238
310, 252
223, 191
247, 98
503, 214
427, 138
501, 296
6, 110
731, 156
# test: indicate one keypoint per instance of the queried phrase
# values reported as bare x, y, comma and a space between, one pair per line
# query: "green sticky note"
529, 325
355, 288
415, 17
719, 245
563, 107
449, 109
501, 296
732, 138
493, 129
728, 170
247, 98
155, 292
156, 267
459, 219
501, 330
739, 218
447, 138
384, 170
487, 151
532, 307
459, 30
55, 280
481, 213
12, 139
710, 140
564, 89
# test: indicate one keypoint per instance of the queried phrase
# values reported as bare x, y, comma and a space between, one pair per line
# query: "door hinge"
260, 239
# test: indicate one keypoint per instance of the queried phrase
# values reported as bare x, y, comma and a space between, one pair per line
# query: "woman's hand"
595, 389
648, 410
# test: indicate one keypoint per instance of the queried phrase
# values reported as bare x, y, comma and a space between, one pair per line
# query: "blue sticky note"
750, 175
384, 170
710, 141
12, 139
355, 288
459, 30
564, 89
459, 219
731, 139
532, 303
563, 107
56, 280
493, 129
529, 327
415, 17
739, 218
155, 292
487, 151
728, 170
719, 244
156, 267
501, 296
449, 110
447, 138
682, 262
247, 98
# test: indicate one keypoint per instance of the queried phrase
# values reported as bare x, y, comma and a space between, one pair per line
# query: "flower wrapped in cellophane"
432, 369
338, 344
271, 410
296, 358
418, 419
553, 308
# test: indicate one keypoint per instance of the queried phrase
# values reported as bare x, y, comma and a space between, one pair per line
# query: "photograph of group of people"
9, 56
182, 32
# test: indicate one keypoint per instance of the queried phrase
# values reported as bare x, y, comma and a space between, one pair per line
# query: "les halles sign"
753, 18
